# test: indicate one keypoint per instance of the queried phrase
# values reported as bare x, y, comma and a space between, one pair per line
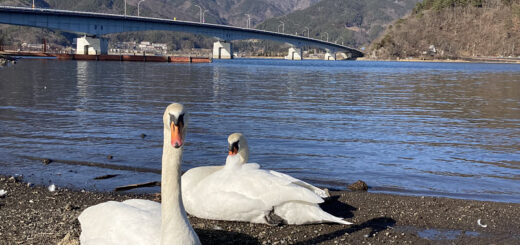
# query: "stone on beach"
358, 186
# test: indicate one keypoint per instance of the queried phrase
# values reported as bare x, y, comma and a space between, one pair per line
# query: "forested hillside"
351, 22
454, 29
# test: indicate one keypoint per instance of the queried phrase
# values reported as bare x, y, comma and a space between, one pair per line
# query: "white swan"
241, 191
141, 221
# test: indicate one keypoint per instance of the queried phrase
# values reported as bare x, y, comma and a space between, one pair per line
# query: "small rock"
30, 184
52, 188
70, 207
326, 190
216, 227
110, 157
358, 186
31, 201
46, 161
3, 193
69, 240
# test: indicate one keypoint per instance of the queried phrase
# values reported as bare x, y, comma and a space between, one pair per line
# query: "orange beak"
176, 136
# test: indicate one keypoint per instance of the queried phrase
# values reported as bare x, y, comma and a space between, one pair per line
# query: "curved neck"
174, 221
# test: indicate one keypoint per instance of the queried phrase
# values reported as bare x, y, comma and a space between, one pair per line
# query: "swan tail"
299, 213
339, 221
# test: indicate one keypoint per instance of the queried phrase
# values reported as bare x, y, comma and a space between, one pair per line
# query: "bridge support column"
342, 56
222, 50
91, 45
330, 56
294, 54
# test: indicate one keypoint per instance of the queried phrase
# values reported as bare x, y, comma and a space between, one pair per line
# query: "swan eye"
177, 121
181, 121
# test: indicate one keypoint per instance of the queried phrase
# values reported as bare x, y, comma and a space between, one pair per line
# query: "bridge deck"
100, 24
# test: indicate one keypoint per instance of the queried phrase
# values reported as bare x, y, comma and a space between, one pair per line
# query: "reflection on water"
417, 128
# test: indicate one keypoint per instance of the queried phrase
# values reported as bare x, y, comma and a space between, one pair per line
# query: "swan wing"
274, 189
130, 222
301, 183
257, 184
251, 166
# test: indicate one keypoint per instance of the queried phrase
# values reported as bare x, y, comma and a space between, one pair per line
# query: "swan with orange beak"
241, 191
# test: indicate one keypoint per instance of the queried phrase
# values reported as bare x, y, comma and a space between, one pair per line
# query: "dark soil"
34, 215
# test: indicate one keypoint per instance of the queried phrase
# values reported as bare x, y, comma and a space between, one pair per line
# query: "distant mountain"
351, 22
454, 29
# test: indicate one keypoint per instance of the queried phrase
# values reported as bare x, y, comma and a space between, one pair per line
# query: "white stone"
52, 188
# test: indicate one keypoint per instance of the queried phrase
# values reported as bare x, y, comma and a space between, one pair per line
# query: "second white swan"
241, 191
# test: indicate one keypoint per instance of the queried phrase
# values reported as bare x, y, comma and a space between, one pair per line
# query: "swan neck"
174, 221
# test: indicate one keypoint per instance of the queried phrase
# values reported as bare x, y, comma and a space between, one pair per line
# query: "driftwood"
134, 186
107, 176
100, 165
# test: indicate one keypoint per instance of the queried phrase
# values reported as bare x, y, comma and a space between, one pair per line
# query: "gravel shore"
35, 215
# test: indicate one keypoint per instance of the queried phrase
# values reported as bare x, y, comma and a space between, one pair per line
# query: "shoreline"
497, 60
492, 60
34, 215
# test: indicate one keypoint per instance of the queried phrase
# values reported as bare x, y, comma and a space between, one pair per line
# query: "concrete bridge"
93, 25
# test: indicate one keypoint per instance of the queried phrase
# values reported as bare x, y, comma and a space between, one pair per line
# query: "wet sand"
34, 215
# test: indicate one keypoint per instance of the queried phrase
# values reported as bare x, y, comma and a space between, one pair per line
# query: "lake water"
442, 129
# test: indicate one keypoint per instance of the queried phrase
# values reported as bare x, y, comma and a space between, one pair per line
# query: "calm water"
414, 128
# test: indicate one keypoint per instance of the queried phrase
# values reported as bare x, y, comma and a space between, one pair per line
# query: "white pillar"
342, 56
330, 56
294, 54
91, 46
222, 50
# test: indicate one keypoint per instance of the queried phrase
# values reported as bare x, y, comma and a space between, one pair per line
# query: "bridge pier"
222, 50
91, 45
342, 56
294, 54
330, 56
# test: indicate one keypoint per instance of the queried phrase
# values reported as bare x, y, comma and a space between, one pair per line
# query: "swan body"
242, 191
138, 221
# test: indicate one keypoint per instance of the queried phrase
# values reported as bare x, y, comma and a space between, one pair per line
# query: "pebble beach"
35, 215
